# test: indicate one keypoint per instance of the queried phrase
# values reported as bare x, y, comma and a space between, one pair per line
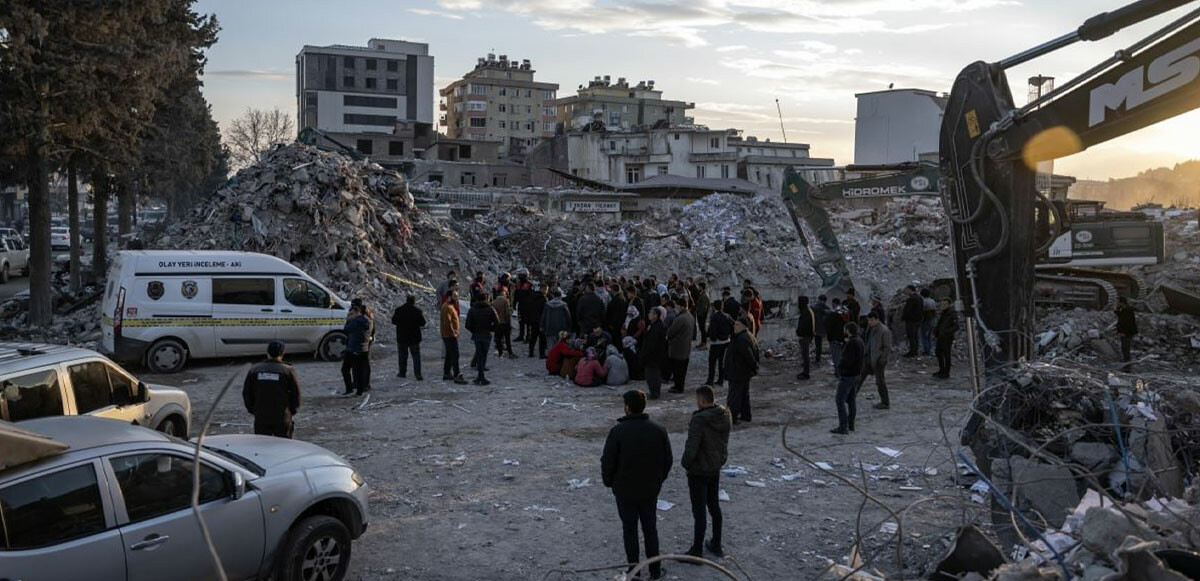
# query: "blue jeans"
847, 390
835, 353
450, 365
479, 361
927, 337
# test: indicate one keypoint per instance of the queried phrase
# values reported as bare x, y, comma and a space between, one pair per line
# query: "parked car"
116, 505
12, 233
14, 258
56, 380
60, 238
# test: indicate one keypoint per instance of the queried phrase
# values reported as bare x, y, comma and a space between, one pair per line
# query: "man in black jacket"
806, 329
741, 364
704, 454
819, 309
730, 305
637, 458
654, 351
531, 316
703, 306
1126, 329
522, 291
943, 332
835, 325
589, 309
913, 313
271, 393
481, 321
614, 314
720, 331
409, 320
849, 371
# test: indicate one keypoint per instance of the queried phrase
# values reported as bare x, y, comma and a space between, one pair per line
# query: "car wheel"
166, 356
173, 426
316, 549
4, 275
332, 346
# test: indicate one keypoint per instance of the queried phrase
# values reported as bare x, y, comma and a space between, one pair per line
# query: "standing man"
879, 349
443, 288
914, 310
720, 331
704, 454
928, 318
1126, 329
531, 318
615, 312
478, 288
806, 329
481, 321
679, 345
637, 458
654, 351
852, 306
820, 309
943, 331
835, 325
729, 304
589, 310
358, 331
450, 323
556, 317
409, 320
849, 377
503, 325
271, 393
703, 306
521, 295
741, 364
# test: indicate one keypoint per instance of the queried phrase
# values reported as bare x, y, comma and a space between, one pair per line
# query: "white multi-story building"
897, 125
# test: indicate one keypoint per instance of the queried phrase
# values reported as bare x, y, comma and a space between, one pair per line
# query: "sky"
732, 58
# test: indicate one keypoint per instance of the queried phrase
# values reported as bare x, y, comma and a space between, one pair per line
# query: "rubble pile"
347, 223
76, 317
1181, 266
1166, 342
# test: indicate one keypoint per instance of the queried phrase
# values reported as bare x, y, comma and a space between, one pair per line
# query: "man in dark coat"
720, 331
679, 345
704, 454
271, 393
741, 364
849, 377
522, 292
703, 306
637, 458
409, 320
730, 305
614, 314
556, 317
1126, 329
531, 317
913, 313
806, 329
852, 306
654, 352
878, 342
481, 322
819, 309
357, 354
835, 325
589, 309
943, 332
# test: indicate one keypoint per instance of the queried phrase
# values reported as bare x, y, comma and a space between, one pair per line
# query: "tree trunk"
73, 222
41, 299
100, 189
124, 211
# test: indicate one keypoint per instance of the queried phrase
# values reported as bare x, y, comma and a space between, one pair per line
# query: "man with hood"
531, 319
481, 321
589, 308
741, 364
556, 317
704, 454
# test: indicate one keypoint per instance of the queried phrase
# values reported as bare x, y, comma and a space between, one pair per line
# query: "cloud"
250, 74
439, 13
743, 112
732, 47
703, 81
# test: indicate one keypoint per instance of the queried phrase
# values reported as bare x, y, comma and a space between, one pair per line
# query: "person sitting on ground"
561, 350
629, 350
616, 369
598, 339
589, 372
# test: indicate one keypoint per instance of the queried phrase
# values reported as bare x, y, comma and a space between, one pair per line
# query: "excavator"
1068, 265
989, 149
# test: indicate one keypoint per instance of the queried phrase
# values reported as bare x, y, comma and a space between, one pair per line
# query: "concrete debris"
1091, 336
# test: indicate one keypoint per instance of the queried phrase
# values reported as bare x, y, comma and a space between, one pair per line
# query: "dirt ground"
472, 482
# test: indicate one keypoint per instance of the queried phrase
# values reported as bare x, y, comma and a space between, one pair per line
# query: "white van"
162, 307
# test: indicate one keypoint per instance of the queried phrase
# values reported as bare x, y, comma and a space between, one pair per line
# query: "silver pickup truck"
14, 258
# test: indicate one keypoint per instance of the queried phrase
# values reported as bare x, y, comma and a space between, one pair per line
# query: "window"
157, 484
699, 171
504, 125
500, 180
364, 145
662, 170
123, 391
393, 85
624, 108
243, 291
370, 83
614, 118
633, 174
529, 109
769, 179
714, 142
529, 126
348, 62
362, 101
360, 119
612, 145
395, 148
548, 126
393, 66
547, 95
528, 93
676, 136
476, 106
467, 178
547, 111
89, 383
503, 91
725, 171
478, 89
52, 509
370, 64
503, 108
303, 293
478, 122
348, 81
33, 395
464, 152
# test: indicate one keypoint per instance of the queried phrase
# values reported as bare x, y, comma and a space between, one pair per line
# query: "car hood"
276, 455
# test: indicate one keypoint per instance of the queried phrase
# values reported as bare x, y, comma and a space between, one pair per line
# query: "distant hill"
1178, 186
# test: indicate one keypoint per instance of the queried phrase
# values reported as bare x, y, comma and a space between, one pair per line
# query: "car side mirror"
239, 485
143, 392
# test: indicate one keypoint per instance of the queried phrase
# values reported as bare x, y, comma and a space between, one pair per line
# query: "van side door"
244, 314
306, 314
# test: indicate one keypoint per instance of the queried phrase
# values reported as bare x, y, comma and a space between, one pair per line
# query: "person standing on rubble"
636, 460
522, 292
704, 454
914, 311
850, 371
503, 325
654, 351
449, 324
878, 349
835, 324
741, 365
943, 331
271, 393
679, 345
819, 309
358, 330
806, 328
531, 318
409, 320
481, 322
1126, 329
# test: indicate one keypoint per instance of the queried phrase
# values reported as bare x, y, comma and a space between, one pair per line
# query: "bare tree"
252, 134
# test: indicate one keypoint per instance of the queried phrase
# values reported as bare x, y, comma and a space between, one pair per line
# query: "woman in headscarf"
629, 350
589, 372
635, 324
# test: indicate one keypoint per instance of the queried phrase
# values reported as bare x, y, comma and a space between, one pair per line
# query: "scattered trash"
823, 465
889, 528
888, 451
574, 483
734, 471
508, 462
756, 483
664, 505
722, 495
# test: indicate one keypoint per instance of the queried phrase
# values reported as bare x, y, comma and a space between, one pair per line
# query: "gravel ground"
472, 482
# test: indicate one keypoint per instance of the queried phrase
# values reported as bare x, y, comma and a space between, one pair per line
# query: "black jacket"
707, 446
731, 307
637, 458
481, 320
853, 307
806, 327
946, 326
835, 326
703, 303
589, 311
531, 312
819, 311
1126, 321
853, 356
720, 326
741, 358
271, 392
914, 309
654, 345
614, 318
408, 320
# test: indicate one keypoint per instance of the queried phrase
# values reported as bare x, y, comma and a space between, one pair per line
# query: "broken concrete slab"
1050, 490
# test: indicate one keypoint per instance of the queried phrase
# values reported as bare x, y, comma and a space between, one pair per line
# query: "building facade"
618, 106
376, 98
897, 126
499, 101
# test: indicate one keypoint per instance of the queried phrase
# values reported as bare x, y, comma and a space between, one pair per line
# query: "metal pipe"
1037, 51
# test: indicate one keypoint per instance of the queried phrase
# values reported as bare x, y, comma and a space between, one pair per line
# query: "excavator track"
1129, 285
1073, 291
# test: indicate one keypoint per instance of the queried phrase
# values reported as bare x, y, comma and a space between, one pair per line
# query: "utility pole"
781, 129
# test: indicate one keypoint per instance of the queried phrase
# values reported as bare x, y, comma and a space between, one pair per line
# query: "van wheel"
173, 426
316, 549
332, 346
166, 356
